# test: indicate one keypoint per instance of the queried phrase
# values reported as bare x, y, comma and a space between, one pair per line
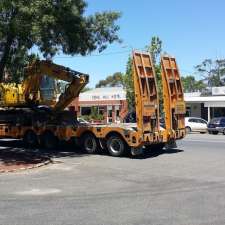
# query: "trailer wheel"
90, 143
49, 140
116, 145
30, 139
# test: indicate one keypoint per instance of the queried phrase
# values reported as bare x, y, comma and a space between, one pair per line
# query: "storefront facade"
109, 102
206, 107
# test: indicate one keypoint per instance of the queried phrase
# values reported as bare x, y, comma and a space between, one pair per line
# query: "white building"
206, 107
110, 102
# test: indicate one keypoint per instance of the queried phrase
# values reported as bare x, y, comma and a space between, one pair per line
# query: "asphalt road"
183, 187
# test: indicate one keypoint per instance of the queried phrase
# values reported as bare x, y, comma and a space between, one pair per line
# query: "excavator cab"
48, 89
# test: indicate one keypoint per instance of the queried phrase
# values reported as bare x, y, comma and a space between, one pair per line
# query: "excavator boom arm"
37, 69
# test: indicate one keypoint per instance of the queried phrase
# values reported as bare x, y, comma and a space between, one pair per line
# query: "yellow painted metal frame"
173, 97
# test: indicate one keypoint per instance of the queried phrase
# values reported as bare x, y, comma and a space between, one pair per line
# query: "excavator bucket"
173, 98
146, 97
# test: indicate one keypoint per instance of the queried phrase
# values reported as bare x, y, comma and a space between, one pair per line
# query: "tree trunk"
5, 56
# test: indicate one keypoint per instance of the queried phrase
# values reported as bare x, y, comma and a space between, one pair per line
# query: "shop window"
117, 113
102, 110
85, 111
188, 111
110, 113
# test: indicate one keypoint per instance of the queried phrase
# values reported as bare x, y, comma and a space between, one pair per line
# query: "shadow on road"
13, 152
153, 154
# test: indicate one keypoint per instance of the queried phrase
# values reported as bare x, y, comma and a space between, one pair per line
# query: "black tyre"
116, 146
90, 143
49, 140
215, 132
224, 132
30, 139
188, 130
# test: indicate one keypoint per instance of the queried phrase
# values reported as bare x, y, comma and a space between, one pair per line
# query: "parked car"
217, 125
195, 124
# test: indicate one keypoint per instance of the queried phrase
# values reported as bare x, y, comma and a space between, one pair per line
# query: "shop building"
206, 107
109, 102
112, 104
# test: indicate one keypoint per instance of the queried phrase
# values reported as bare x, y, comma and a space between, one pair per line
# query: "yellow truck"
36, 125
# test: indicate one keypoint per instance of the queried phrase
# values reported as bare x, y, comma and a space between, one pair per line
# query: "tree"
116, 80
155, 48
85, 89
212, 71
129, 85
15, 66
190, 84
52, 26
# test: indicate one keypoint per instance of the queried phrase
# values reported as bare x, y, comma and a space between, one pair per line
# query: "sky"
190, 30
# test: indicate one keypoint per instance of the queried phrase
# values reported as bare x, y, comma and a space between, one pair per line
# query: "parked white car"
195, 124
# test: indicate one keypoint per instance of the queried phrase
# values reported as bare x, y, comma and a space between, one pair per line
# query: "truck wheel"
90, 143
49, 140
116, 146
224, 132
215, 132
30, 139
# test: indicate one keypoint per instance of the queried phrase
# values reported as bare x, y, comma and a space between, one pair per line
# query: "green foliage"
155, 48
190, 84
52, 26
116, 80
85, 89
15, 67
129, 85
160, 87
212, 71
94, 115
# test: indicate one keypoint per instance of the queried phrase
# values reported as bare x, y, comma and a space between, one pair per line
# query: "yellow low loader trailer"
45, 127
118, 139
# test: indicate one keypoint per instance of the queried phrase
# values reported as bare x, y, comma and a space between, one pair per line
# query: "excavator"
39, 87
21, 117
